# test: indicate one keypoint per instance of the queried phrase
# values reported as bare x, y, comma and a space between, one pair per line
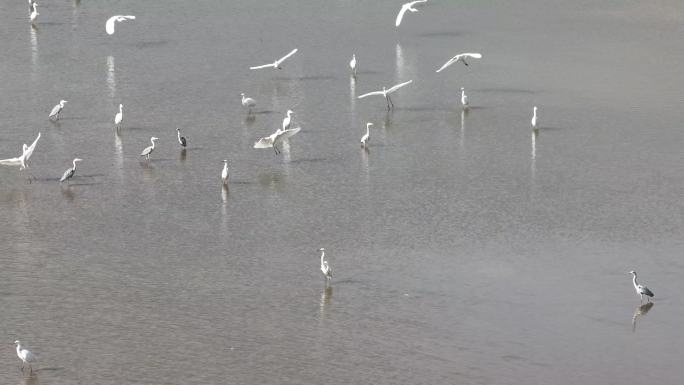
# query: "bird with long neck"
181, 139
34, 13
224, 172
534, 118
148, 150
118, 118
366, 138
25, 356
640, 289
464, 98
70, 171
352, 64
327, 270
287, 120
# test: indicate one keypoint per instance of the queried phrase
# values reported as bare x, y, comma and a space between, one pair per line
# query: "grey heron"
366, 137
641, 289
24, 355
181, 139
276, 64
56, 110
460, 57
404, 8
248, 103
386, 93
70, 171
148, 150
325, 268
118, 118
275, 138
110, 23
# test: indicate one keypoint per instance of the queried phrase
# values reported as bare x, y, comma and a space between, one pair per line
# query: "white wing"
110, 24
401, 13
473, 55
372, 93
267, 141
12, 161
448, 63
282, 59
263, 66
29, 150
55, 110
288, 133
399, 86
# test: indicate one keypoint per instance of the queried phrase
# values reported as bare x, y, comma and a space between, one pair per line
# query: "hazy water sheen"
465, 250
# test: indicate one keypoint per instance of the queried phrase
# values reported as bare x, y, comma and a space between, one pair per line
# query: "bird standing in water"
181, 139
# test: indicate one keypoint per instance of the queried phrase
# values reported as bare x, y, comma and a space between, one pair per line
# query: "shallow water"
465, 248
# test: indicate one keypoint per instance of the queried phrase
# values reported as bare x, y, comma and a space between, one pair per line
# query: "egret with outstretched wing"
276, 64
275, 138
404, 8
111, 22
386, 93
460, 57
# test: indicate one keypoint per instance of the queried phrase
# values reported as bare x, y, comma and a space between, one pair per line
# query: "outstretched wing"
263, 66
401, 13
372, 93
473, 55
289, 132
265, 142
448, 63
109, 25
29, 150
12, 161
282, 59
399, 86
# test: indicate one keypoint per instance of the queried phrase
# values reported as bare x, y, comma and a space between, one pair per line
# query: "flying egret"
25, 355
460, 57
181, 139
275, 138
325, 268
352, 64
148, 150
224, 172
464, 98
34, 14
287, 120
118, 118
366, 137
276, 64
641, 289
70, 171
386, 93
404, 8
249, 103
109, 25
56, 110
534, 118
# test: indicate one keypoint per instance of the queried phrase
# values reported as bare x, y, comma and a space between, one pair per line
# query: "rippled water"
465, 248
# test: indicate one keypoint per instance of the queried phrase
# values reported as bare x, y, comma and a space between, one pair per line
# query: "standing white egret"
276, 64
352, 64
70, 171
275, 138
249, 103
460, 57
287, 120
25, 355
404, 8
224, 172
464, 98
534, 118
386, 93
181, 139
56, 110
641, 289
34, 14
109, 25
325, 268
148, 150
118, 118
366, 137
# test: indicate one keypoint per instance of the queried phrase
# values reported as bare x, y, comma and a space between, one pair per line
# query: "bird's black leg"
390, 100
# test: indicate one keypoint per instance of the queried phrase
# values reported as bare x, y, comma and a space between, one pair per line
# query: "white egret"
148, 150
276, 64
25, 355
404, 8
287, 120
109, 25
56, 110
181, 139
464, 98
28, 150
366, 137
21, 161
325, 268
34, 14
249, 103
274, 139
460, 57
641, 289
534, 118
70, 171
386, 93
118, 118
352, 64
224, 172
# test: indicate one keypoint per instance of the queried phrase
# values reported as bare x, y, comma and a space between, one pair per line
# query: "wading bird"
109, 25
641, 289
118, 118
34, 14
25, 355
181, 139
224, 172
276, 64
274, 139
404, 8
464, 98
54, 114
386, 93
460, 57
325, 268
366, 138
248, 103
534, 118
70, 171
287, 120
352, 64
148, 150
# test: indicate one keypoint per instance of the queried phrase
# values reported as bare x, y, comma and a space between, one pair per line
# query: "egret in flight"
386, 93
464, 98
460, 57
287, 120
366, 137
224, 172
248, 103
148, 150
352, 64
118, 118
181, 139
276, 64
70, 171
54, 114
325, 268
275, 138
109, 25
25, 355
404, 8
534, 118
641, 289
34, 13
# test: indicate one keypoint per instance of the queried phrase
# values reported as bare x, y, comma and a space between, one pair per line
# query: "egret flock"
270, 141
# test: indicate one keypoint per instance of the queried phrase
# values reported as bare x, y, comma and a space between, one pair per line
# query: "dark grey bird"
70, 172
181, 139
641, 289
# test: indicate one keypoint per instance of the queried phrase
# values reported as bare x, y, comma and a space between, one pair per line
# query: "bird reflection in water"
326, 297
183, 154
641, 311
32, 379
388, 119
67, 193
